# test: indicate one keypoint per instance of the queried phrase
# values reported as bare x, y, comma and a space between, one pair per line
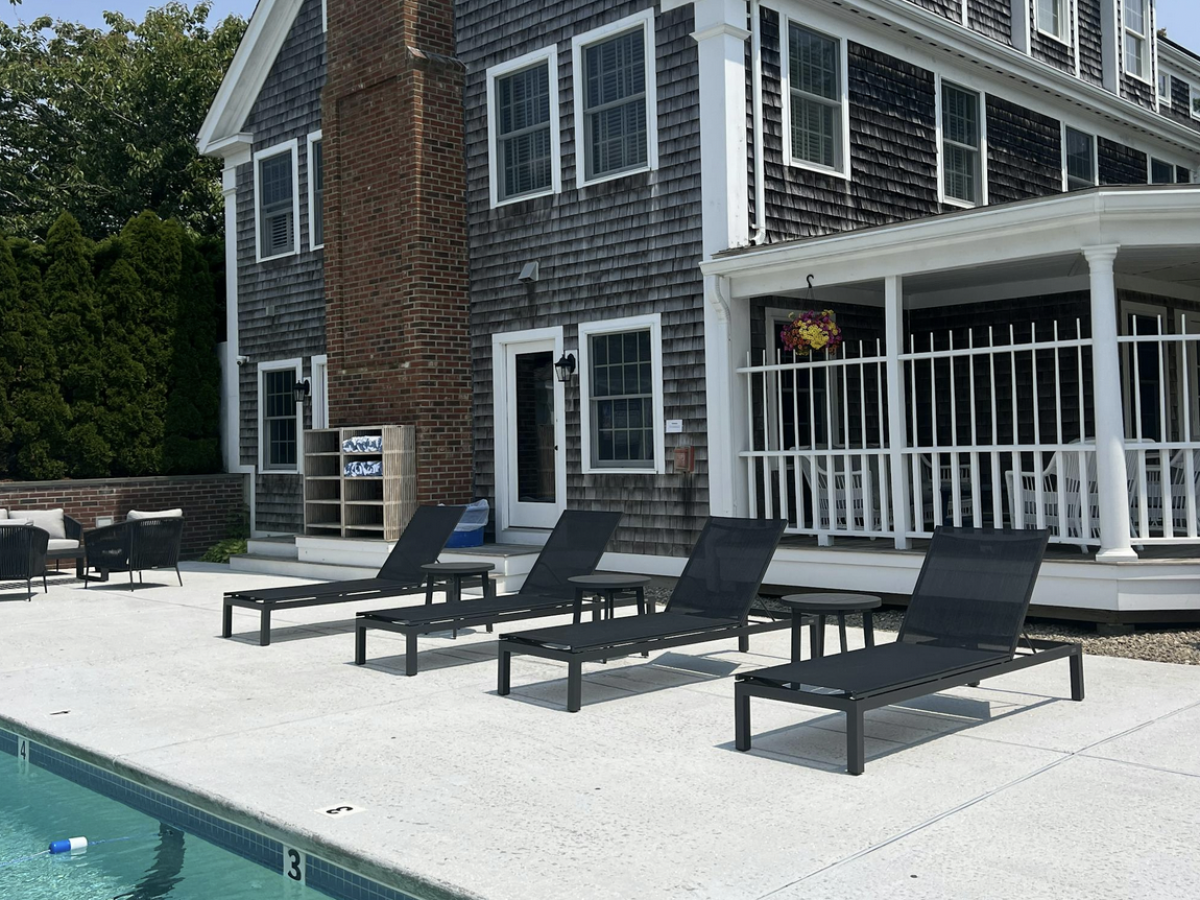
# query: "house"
992, 198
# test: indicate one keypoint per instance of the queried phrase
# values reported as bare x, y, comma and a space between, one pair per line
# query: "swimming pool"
142, 844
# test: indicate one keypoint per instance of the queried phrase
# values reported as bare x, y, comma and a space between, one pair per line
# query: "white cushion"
49, 520
62, 544
17, 522
135, 514
3, 513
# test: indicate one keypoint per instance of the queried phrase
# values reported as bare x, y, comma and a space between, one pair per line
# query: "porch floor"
1188, 554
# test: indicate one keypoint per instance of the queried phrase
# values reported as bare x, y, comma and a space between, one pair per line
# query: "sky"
1181, 18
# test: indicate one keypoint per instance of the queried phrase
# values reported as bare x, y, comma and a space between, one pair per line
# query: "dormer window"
277, 201
1137, 29
1053, 19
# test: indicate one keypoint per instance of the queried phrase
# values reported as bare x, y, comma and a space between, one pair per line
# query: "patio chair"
420, 543
842, 500
1182, 484
963, 624
134, 546
710, 602
573, 548
23, 554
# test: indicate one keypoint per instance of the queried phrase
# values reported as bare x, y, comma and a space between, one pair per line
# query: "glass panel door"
534, 457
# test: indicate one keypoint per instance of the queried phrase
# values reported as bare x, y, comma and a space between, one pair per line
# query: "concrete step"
279, 547
294, 568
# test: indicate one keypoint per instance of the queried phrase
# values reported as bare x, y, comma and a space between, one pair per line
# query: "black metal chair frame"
24, 556
856, 705
415, 621
674, 630
74, 532
433, 526
134, 546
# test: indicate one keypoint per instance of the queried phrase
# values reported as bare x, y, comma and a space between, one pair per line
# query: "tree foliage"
102, 123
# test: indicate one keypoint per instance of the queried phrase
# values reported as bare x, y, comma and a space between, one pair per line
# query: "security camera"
529, 274
242, 360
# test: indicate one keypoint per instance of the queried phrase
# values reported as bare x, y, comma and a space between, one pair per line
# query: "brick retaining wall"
208, 501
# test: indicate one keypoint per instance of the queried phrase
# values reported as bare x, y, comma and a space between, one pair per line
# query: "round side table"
823, 606
450, 577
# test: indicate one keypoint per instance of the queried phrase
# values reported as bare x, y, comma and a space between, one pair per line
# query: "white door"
320, 392
530, 445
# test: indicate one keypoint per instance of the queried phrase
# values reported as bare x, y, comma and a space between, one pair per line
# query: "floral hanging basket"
811, 330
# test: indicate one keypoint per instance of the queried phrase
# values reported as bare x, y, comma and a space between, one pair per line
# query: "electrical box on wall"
685, 460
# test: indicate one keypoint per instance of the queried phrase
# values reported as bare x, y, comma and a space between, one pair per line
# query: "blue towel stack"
364, 444
365, 468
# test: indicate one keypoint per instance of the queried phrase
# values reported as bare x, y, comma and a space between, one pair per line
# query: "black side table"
607, 587
450, 577
805, 606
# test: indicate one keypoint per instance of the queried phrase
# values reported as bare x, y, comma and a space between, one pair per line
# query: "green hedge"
108, 359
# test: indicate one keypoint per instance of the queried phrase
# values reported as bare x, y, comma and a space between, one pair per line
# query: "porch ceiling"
967, 256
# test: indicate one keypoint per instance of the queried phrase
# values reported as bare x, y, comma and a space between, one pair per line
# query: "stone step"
278, 547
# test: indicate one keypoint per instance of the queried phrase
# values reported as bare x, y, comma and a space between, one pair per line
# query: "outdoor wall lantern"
565, 367
301, 390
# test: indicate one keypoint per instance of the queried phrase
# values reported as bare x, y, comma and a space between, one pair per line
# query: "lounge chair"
23, 554
573, 548
420, 543
710, 602
963, 624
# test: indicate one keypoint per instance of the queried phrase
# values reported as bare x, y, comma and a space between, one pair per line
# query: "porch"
1030, 365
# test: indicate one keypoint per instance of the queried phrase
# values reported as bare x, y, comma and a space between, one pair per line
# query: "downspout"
759, 235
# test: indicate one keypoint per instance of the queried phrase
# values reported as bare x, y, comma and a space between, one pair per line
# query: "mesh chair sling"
710, 601
23, 555
573, 548
134, 546
963, 624
420, 543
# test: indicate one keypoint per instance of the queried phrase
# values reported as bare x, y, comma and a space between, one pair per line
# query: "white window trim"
652, 321
1164, 100
645, 21
1151, 159
1067, 19
941, 152
1147, 44
292, 146
312, 139
320, 390
324, 15
550, 56
1095, 155
1193, 93
295, 365
785, 72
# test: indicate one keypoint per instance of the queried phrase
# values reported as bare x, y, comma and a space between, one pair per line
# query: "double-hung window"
1164, 88
963, 157
1194, 97
316, 191
1161, 172
615, 99
280, 420
1053, 19
1137, 30
522, 127
1079, 159
621, 393
277, 201
817, 99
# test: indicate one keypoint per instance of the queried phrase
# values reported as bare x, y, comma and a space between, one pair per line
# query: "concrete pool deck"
1006, 790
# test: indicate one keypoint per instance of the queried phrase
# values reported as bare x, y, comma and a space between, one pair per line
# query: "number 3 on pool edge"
293, 865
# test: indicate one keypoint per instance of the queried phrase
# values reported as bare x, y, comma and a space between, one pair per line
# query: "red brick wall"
208, 501
396, 279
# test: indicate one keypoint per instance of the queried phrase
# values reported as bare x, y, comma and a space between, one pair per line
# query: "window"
277, 199
621, 394
1137, 26
614, 92
963, 178
817, 100
523, 127
1161, 172
1194, 96
1164, 89
316, 192
1079, 159
1052, 18
280, 420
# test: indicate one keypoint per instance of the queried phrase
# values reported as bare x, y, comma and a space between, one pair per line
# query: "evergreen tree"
192, 444
76, 330
10, 294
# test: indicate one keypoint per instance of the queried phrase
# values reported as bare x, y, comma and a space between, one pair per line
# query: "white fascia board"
1048, 226
235, 149
947, 44
268, 29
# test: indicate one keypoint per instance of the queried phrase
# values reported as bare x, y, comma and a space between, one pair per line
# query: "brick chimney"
396, 280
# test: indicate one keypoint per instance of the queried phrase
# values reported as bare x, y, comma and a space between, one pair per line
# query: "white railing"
817, 452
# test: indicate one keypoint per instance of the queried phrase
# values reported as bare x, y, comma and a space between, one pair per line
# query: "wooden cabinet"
376, 505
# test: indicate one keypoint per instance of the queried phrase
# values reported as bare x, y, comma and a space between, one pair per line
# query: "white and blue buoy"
68, 845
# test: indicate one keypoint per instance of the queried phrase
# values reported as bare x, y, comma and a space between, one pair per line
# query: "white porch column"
231, 371
1112, 487
893, 308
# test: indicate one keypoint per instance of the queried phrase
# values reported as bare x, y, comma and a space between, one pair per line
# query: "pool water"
131, 856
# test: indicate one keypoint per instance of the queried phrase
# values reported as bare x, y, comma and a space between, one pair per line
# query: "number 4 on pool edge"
293, 865
22, 753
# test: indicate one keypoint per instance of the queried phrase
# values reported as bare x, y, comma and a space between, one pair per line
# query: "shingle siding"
1137, 91
949, 9
281, 306
1120, 164
1024, 152
1047, 49
1091, 52
1181, 104
625, 247
992, 18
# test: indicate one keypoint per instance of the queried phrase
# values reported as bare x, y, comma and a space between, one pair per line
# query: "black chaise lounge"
711, 601
963, 624
574, 548
420, 543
